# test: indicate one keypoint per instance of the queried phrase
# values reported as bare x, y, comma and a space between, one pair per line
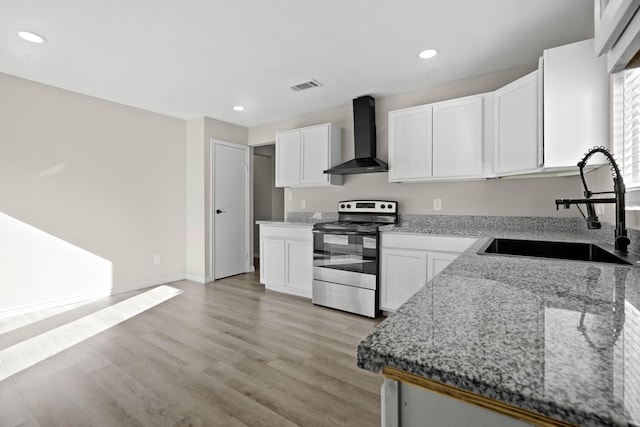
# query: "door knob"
218, 211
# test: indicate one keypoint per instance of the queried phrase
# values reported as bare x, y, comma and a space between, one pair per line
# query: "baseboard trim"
195, 278
101, 293
45, 305
286, 290
147, 283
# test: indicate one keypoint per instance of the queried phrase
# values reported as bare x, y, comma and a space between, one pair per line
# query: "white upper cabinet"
410, 144
288, 149
617, 31
316, 144
518, 137
303, 154
443, 140
576, 103
457, 138
542, 122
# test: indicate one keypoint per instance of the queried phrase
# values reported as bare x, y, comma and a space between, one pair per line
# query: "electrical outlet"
289, 195
303, 204
437, 204
156, 259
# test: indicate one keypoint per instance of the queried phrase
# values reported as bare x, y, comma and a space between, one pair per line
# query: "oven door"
345, 268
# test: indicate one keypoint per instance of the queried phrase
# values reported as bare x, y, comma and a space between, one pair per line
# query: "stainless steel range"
345, 256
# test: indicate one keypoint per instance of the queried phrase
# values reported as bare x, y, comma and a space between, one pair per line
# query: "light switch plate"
437, 204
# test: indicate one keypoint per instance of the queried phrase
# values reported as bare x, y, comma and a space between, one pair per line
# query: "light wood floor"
225, 353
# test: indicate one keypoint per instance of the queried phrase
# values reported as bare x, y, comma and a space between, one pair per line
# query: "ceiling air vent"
306, 85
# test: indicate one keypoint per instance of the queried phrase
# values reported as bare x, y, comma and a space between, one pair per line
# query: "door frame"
212, 196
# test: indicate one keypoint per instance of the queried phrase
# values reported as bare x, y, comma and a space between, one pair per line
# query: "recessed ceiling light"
31, 37
238, 108
428, 53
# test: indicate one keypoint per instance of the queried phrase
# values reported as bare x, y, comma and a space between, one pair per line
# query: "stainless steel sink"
558, 250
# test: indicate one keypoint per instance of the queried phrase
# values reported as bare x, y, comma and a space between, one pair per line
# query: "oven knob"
390, 207
348, 206
342, 206
382, 206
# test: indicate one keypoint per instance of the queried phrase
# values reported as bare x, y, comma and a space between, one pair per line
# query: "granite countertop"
560, 338
287, 223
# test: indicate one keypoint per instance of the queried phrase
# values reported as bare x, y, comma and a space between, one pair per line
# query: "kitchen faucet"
621, 239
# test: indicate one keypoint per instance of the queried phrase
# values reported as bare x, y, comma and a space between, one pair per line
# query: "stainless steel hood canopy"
364, 130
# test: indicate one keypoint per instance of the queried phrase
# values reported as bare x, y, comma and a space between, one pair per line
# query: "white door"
230, 209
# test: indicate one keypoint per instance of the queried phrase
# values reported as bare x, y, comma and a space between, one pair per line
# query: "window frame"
620, 144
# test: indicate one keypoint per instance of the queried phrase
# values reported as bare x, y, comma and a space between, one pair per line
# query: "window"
626, 131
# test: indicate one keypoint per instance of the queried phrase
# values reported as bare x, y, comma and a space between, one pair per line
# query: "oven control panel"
368, 206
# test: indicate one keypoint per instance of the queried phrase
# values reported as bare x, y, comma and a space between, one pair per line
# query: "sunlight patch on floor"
29, 352
12, 323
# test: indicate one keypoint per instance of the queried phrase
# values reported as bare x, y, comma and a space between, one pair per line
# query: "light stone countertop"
287, 223
561, 338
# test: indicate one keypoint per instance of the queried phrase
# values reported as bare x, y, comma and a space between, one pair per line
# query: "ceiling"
194, 58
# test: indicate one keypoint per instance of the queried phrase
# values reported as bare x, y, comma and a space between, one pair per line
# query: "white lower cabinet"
438, 261
408, 405
402, 273
286, 259
272, 260
409, 261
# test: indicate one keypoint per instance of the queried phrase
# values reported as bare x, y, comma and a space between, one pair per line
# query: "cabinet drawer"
426, 242
286, 231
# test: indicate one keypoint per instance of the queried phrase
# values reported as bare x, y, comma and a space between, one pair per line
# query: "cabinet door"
299, 265
315, 155
438, 261
272, 261
288, 158
410, 144
457, 138
402, 273
576, 104
517, 140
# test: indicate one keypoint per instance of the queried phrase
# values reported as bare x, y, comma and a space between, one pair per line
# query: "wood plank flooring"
227, 353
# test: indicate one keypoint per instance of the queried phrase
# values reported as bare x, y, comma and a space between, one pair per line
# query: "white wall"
199, 133
521, 197
40, 270
107, 178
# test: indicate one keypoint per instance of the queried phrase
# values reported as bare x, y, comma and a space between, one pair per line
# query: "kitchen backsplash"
311, 217
483, 222
486, 222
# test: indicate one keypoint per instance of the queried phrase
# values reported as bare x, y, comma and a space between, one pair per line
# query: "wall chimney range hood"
364, 135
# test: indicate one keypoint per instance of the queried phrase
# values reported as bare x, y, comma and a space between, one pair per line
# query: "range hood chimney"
364, 130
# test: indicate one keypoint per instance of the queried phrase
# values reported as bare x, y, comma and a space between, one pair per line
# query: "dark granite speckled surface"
561, 338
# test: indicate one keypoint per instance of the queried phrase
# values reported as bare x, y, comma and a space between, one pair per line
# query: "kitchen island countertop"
559, 338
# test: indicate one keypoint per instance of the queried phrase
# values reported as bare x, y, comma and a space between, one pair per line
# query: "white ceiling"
193, 58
